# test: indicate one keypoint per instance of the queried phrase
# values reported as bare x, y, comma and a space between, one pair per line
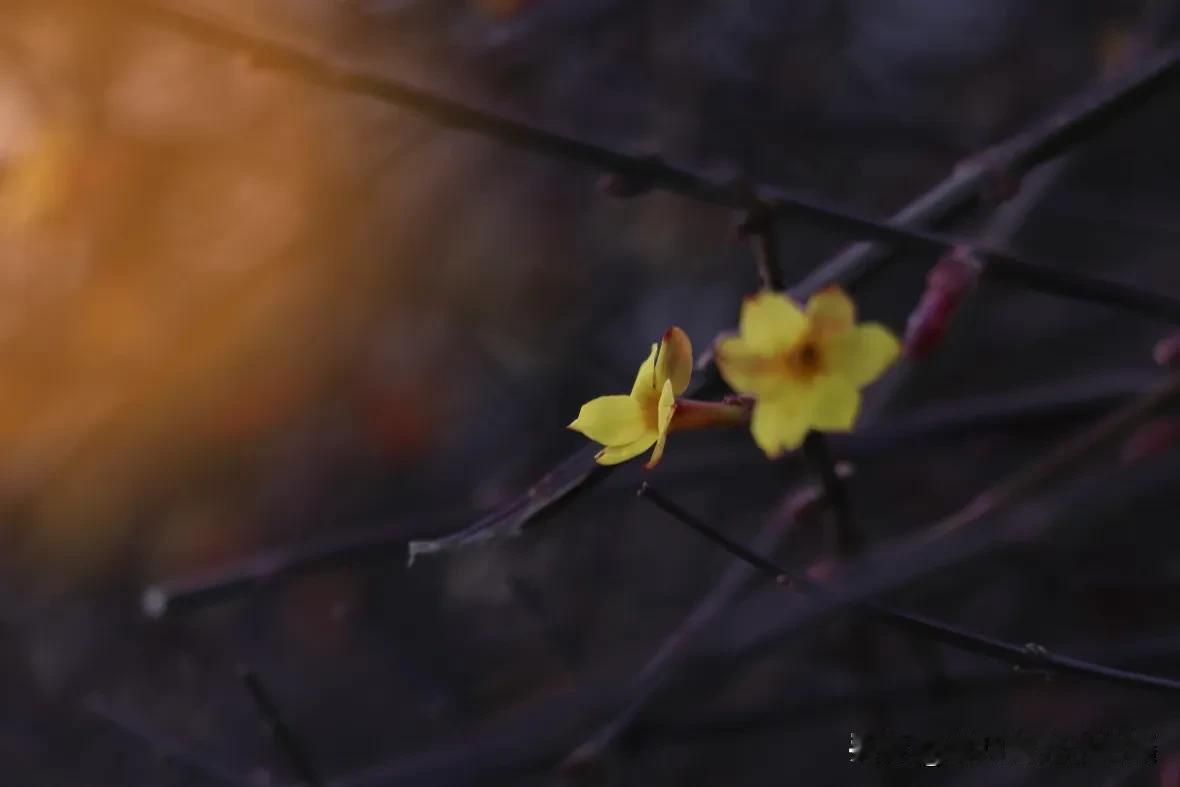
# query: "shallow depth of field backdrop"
242, 313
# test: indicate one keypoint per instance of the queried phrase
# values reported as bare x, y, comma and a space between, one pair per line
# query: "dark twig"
1043, 141
1064, 456
203, 589
672, 651
1082, 118
847, 540
281, 732
824, 697
759, 226
1058, 403
539, 736
1029, 655
909, 560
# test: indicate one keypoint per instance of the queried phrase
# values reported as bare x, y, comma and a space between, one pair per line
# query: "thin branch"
210, 587
655, 673
847, 540
1040, 405
1066, 455
760, 227
1093, 112
960, 537
538, 736
824, 697
1029, 655
280, 731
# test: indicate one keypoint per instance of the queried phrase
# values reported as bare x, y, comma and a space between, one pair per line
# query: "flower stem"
697, 414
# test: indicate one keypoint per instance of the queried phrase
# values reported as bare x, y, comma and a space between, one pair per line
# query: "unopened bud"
1150, 439
948, 282
1167, 351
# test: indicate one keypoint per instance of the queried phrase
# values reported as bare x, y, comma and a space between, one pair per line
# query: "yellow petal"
674, 361
771, 322
862, 354
781, 422
667, 408
645, 379
831, 311
835, 405
611, 420
613, 455
743, 368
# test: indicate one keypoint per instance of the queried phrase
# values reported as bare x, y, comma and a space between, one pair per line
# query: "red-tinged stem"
697, 414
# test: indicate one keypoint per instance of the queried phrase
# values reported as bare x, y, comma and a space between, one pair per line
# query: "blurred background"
240, 312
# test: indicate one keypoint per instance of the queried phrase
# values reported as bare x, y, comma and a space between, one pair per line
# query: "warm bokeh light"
165, 291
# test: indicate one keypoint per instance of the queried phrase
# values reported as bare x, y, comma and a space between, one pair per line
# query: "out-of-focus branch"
167, 749
675, 647
1009, 160
1086, 115
759, 226
210, 587
1030, 655
962, 536
1058, 403
279, 730
539, 736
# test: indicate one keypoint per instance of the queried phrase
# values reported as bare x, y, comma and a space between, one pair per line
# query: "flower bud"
948, 282
1167, 351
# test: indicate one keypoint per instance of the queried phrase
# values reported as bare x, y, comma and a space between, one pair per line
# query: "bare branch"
278, 728
675, 648
1012, 158
167, 749
1039, 405
1029, 655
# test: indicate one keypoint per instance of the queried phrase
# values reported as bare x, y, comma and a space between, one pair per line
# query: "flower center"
804, 360
809, 356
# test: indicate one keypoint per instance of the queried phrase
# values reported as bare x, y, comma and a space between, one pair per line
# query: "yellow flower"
804, 368
629, 424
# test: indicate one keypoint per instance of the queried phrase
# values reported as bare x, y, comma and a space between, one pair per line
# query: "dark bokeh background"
238, 312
